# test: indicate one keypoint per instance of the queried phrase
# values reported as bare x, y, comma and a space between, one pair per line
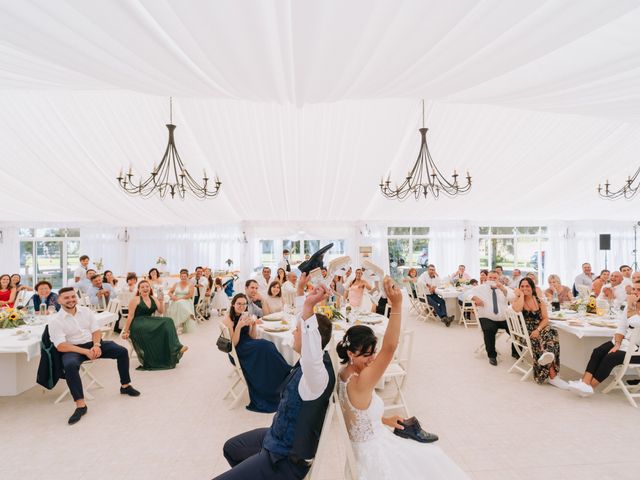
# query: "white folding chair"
397, 373
202, 308
108, 328
85, 371
469, 307
623, 372
428, 313
238, 384
583, 291
522, 342
22, 298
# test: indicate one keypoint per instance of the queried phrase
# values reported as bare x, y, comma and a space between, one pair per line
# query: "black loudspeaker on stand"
605, 245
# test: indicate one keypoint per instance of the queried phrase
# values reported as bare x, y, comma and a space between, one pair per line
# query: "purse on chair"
223, 344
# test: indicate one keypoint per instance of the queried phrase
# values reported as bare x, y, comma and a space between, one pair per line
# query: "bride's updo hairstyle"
359, 340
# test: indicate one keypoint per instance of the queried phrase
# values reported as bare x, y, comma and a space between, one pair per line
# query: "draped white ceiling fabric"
301, 106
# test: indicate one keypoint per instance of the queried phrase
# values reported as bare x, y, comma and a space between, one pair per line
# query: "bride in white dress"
381, 454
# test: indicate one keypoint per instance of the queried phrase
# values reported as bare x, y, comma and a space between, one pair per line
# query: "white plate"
274, 317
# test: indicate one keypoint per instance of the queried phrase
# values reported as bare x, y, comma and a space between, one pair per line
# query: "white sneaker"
580, 388
546, 358
558, 383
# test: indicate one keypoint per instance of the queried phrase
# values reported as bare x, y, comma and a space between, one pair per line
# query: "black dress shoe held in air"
315, 261
414, 431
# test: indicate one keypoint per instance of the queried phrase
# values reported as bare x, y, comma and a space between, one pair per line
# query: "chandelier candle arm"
170, 176
628, 190
434, 181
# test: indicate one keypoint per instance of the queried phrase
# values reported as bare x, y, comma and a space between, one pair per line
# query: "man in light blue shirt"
100, 293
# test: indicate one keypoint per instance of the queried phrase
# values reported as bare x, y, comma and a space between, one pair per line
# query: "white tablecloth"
577, 342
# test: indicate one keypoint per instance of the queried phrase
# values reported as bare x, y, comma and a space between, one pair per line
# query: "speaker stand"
605, 260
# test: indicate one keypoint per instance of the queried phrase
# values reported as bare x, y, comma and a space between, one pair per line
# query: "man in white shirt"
502, 278
285, 262
76, 334
200, 283
585, 278
81, 271
460, 275
491, 299
285, 449
615, 291
100, 293
431, 281
254, 300
264, 281
626, 271
516, 276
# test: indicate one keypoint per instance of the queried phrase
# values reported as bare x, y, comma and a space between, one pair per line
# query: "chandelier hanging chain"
424, 169
628, 189
170, 176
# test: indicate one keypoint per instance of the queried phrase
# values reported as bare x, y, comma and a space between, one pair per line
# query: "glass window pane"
49, 232
502, 230
483, 250
420, 254
503, 254
26, 262
527, 260
399, 230
485, 230
72, 232
73, 257
49, 262
528, 230
398, 257
420, 230
337, 249
25, 232
294, 249
311, 246
543, 230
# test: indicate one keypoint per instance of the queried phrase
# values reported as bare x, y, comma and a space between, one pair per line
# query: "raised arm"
370, 376
518, 303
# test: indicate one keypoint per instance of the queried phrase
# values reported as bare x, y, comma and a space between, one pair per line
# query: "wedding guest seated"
584, 279
556, 291
635, 278
154, 338
254, 300
459, 275
467, 294
502, 278
7, 293
199, 284
412, 282
600, 281
108, 277
16, 282
262, 365
287, 448
626, 271
181, 309
44, 296
614, 291
431, 281
100, 293
355, 292
611, 354
289, 288
516, 276
544, 339
484, 273
281, 275
264, 280
85, 284
155, 280
533, 277
75, 332
80, 273
128, 290
273, 301
491, 300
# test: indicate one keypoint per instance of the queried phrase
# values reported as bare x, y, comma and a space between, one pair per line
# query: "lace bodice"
361, 424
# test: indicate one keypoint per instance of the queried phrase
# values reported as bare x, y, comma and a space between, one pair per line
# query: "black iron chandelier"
628, 189
170, 177
424, 178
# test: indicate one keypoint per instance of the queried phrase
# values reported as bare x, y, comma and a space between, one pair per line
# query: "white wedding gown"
381, 455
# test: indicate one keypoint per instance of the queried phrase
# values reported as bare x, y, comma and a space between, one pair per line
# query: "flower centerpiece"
11, 318
161, 265
331, 312
98, 264
460, 282
590, 304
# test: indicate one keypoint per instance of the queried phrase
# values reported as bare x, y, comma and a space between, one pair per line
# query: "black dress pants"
249, 461
489, 330
602, 362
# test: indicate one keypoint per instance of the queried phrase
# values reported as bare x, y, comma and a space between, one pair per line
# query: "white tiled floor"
493, 425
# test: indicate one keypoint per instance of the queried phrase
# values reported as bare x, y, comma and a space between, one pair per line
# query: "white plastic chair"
522, 342
85, 371
469, 306
237, 377
622, 372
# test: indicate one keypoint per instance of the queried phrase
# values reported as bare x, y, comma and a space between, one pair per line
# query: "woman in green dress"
154, 338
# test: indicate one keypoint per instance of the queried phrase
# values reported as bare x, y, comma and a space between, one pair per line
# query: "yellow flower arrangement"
11, 318
331, 312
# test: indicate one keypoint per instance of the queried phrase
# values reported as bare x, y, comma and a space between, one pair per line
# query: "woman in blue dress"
263, 367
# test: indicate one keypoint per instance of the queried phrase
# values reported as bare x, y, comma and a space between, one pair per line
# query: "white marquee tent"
300, 107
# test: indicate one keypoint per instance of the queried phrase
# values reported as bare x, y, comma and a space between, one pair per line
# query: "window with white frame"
50, 254
514, 247
270, 255
408, 248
